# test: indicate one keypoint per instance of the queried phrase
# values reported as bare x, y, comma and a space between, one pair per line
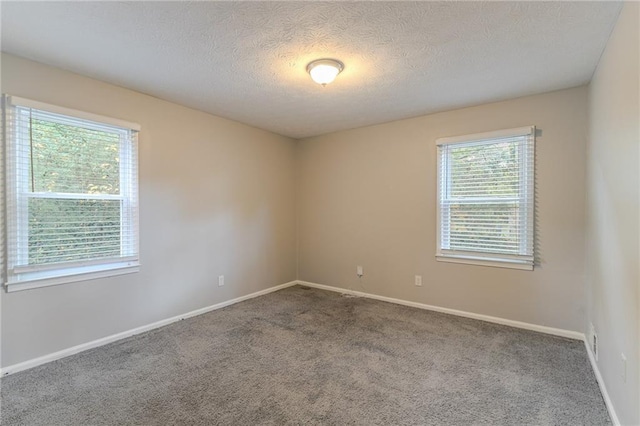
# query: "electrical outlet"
624, 368
220, 280
359, 271
418, 280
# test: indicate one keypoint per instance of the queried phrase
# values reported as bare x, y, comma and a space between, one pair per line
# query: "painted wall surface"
368, 197
216, 197
613, 213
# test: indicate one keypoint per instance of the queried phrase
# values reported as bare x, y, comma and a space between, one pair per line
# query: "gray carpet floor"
306, 356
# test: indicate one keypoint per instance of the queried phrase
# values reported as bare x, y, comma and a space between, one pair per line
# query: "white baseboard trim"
603, 388
576, 335
11, 369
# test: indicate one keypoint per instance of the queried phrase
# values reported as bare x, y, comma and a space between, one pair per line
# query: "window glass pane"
491, 228
485, 170
72, 159
62, 230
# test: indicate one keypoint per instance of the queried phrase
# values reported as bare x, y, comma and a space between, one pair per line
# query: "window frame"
20, 276
526, 259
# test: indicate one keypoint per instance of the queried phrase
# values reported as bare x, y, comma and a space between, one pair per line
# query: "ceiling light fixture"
324, 71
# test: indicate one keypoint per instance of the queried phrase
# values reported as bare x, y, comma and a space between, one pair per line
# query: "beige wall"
216, 197
368, 197
613, 213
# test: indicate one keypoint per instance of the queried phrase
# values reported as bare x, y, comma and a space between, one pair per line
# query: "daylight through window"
486, 198
71, 194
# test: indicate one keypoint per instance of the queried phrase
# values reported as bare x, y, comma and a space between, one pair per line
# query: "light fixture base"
324, 71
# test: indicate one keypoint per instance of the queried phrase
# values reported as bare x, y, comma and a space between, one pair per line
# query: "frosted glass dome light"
324, 71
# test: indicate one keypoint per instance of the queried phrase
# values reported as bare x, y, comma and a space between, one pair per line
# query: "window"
486, 198
71, 195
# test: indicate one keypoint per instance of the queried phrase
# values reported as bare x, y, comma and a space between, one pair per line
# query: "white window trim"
28, 277
72, 275
29, 103
478, 258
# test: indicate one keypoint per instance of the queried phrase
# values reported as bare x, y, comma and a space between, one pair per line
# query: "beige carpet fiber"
306, 356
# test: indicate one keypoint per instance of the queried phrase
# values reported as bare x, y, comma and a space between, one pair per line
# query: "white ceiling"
246, 61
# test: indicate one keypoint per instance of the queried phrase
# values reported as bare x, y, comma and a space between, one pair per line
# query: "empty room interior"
340, 213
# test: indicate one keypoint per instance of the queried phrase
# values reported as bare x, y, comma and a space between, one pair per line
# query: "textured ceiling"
246, 61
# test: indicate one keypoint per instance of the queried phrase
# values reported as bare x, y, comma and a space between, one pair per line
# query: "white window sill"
492, 262
31, 280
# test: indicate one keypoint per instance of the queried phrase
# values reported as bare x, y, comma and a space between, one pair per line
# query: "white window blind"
72, 194
486, 198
